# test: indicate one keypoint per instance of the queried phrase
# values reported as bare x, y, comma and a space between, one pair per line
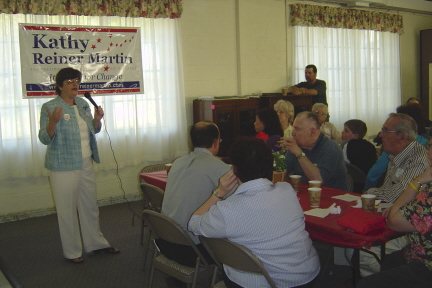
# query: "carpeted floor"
31, 249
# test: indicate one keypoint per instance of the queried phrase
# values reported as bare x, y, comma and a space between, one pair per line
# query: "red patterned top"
419, 213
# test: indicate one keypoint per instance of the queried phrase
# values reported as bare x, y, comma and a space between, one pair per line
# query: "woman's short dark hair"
417, 112
65, 74
271, 122
413, 99
357, 127
252, 159
203, 134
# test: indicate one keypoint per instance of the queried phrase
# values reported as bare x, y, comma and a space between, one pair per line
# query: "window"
147, 127
361, 68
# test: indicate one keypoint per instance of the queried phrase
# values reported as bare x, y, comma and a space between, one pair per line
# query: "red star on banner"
121, 45
106, 68
108, 49
130, 40
93, 46
125, 41
116, 44
111, 44
110, 35
98, 40
133, 37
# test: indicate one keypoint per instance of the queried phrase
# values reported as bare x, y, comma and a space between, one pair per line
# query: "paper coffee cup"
314, 183
168, 167
368, 202
284, 91
295, 181
314, 196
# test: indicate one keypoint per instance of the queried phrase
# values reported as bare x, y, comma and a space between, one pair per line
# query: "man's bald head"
309, 117
203, 134
306, 130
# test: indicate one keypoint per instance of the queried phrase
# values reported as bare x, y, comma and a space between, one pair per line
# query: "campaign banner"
109, 58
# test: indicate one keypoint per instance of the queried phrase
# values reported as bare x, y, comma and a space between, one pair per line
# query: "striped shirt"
268, 220
401, 169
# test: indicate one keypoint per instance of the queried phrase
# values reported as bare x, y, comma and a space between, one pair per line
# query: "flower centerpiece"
279, 165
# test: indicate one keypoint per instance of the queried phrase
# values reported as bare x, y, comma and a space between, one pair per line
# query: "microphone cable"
88, 96
119, 178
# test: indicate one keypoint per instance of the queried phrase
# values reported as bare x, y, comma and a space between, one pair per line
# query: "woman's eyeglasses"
320, 113
74, 80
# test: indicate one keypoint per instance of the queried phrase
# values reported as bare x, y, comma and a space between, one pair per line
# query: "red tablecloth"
156, 178
320, 229
327, 230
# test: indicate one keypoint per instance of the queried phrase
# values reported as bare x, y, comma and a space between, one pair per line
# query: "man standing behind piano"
313, 86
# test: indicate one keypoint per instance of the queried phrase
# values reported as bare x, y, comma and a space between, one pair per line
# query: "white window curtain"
361, 68
143, 128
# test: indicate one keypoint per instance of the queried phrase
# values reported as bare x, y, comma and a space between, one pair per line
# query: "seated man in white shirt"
265, 218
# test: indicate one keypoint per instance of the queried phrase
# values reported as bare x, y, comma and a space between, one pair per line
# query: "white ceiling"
416, 6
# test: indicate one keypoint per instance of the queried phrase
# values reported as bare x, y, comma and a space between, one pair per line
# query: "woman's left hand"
98, 113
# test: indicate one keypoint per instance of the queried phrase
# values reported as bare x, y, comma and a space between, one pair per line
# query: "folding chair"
152, 198
350, 183
146, 205
358, 177
164, 227
235, 256
150, 168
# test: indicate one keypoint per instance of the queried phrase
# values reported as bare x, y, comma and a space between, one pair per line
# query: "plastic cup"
295, 181
314, 183
368, 202
168, 167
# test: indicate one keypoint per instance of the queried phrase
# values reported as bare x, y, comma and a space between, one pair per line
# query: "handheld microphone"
88, 96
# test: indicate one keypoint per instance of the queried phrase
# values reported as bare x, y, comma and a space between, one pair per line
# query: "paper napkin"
383, 206
347, 197
323, 212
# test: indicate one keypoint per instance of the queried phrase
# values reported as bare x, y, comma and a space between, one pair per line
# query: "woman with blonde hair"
285, 112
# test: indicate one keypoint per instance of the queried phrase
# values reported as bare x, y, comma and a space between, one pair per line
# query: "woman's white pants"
75, 197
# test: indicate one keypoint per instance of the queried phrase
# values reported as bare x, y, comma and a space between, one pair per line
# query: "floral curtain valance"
124, 8
336, 17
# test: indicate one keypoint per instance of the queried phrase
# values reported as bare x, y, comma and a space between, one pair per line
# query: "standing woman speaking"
68, 129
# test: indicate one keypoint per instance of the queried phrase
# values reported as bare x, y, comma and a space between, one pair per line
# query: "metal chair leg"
152, 271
